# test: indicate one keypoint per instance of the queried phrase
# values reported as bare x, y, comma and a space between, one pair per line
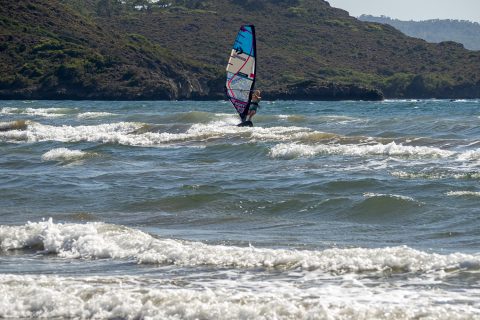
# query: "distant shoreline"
307, 90
270, 100
301, 91
285, 98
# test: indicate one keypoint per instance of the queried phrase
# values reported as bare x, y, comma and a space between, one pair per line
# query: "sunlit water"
168, 210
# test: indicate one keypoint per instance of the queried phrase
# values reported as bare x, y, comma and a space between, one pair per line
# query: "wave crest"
294, 150
41, 112
126, 297
99, 240
63, 154
13, 125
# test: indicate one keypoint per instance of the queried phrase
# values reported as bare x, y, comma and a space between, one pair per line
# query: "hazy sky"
413, 9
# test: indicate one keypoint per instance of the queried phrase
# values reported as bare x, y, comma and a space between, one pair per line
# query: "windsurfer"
254, 104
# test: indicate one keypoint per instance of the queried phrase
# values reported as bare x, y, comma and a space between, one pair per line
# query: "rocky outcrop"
192, 88
329, 91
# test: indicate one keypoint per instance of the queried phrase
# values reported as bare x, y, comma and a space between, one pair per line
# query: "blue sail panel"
244, 43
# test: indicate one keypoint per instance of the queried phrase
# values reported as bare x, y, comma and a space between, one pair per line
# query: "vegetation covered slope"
109, 49
50, 49
436, 30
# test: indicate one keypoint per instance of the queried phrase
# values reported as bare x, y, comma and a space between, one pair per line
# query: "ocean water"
168, 210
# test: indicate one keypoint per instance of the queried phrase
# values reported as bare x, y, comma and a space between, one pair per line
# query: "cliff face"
330, 91
107, 49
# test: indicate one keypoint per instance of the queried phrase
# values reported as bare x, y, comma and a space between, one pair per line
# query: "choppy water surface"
167, 210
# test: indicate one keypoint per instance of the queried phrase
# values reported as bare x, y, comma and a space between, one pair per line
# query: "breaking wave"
41, 112
463, 193
115, 297
436, 175
100, 241
295, 150
139, 134
94, 115
63, 154
13, 125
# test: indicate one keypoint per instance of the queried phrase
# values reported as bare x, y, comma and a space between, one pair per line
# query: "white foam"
293, 150
291, 117
63, 154
297, 141
305, 284
463, 193
42, 112
33, 296
94, 115
106, 133
383, 195
435, 175
99, 240
280, 133
469, 155
125, 133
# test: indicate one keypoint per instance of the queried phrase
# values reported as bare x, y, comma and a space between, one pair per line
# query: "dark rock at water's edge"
330, 92
180, 87
183, 87
419, 88
212, 90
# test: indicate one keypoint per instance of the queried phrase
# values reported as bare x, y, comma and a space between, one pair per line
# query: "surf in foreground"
229, 280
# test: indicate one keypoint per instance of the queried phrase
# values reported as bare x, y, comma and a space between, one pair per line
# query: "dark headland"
177, 49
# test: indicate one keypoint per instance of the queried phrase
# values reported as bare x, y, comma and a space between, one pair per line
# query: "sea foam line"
37, 296
383, 195
94, 115
294, 150
42, 112
125, 133
107, 133
99, 240
129, 133
463, 193
436, 175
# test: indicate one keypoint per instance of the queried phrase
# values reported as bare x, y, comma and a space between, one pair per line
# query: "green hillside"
51, 49
106, 49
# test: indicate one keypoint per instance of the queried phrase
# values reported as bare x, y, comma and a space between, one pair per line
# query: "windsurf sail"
241, 70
